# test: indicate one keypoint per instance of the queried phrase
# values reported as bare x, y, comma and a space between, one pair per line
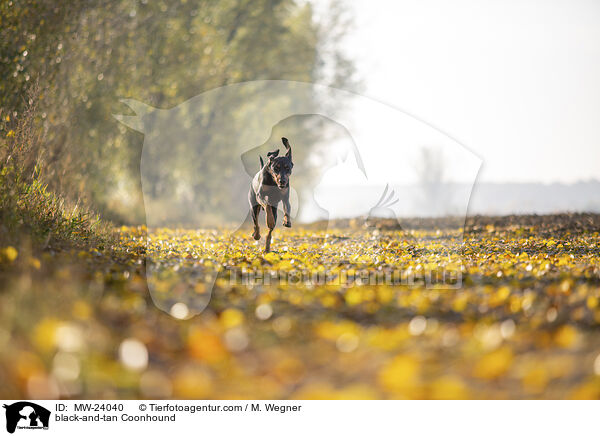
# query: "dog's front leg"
255, 212
287, 221
271, 220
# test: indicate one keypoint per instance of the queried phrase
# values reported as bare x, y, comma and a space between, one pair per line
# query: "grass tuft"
29, 211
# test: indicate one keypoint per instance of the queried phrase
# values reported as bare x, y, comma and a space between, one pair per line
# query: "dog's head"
280, 167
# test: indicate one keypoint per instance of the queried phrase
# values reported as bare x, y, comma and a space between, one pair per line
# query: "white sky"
516, 82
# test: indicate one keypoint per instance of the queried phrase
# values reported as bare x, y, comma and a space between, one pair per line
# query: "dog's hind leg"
255, 213
271, 220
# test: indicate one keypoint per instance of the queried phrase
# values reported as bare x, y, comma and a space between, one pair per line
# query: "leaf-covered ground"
524, 323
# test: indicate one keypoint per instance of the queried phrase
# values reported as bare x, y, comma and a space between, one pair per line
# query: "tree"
90, 55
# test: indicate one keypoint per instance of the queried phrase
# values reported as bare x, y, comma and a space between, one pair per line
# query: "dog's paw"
256, 235
287, 223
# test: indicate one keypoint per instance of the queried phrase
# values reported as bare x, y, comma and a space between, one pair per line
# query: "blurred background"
64, 71
515, 83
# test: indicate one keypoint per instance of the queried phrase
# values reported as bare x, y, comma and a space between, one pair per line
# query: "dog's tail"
262, 164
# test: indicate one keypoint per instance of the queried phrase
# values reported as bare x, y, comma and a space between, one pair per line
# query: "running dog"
270, 186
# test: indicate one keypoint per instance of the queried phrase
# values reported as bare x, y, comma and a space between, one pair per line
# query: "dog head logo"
199, 158
26, 415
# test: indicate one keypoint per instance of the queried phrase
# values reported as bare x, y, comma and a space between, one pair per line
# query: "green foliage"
91, 54
29, 209
29, 212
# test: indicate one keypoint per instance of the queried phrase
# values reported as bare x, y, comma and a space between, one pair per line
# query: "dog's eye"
277, 168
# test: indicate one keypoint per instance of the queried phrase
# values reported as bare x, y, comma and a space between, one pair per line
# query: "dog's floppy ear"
262, 164
273, 154
288, 147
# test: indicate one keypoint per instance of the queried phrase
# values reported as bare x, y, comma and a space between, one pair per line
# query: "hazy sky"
516, 82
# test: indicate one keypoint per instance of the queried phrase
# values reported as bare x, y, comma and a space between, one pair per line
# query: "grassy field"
523, 323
